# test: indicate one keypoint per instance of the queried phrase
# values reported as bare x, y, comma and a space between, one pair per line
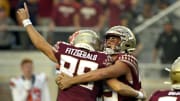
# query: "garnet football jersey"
131, 61
166, 95
75, 61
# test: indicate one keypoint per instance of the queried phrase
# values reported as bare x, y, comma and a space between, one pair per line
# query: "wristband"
140, 95
26, 22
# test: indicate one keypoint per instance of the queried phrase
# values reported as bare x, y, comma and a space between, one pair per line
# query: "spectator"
29, 87
126, 5
44, 11
104, 3
146, 14
6, 37
126, 19
5, 4
63, 14
116, 9
151, 7
13, 4
169, 42
163, 5
91, 15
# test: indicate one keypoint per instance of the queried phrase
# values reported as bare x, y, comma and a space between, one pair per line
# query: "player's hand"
58, 81
23, 13
144, 95
63, 81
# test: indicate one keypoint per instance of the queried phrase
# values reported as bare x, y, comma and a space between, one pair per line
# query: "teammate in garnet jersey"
75, 61
120, 43
71, 57
174, 93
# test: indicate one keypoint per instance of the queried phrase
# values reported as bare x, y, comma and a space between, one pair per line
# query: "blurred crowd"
96, 14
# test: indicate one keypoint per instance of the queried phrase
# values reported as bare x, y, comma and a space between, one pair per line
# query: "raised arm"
36, 38
124, 90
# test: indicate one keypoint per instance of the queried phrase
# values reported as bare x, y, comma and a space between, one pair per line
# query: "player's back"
75, 61
132, 63
166, 95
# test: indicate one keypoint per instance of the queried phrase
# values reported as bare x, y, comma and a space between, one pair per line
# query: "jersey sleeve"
153, 97
129, 60
56, 50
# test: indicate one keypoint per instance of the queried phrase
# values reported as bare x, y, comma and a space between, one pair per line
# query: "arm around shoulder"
113, 71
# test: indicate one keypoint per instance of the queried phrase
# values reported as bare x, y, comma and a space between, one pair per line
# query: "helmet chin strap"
112, 49
109, 51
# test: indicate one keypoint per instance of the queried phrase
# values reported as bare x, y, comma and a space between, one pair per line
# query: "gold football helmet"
175, 74
128, 40
86, 39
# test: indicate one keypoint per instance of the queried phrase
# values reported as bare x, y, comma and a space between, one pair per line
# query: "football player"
174, 93
76, 58
73, 60
120, 43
